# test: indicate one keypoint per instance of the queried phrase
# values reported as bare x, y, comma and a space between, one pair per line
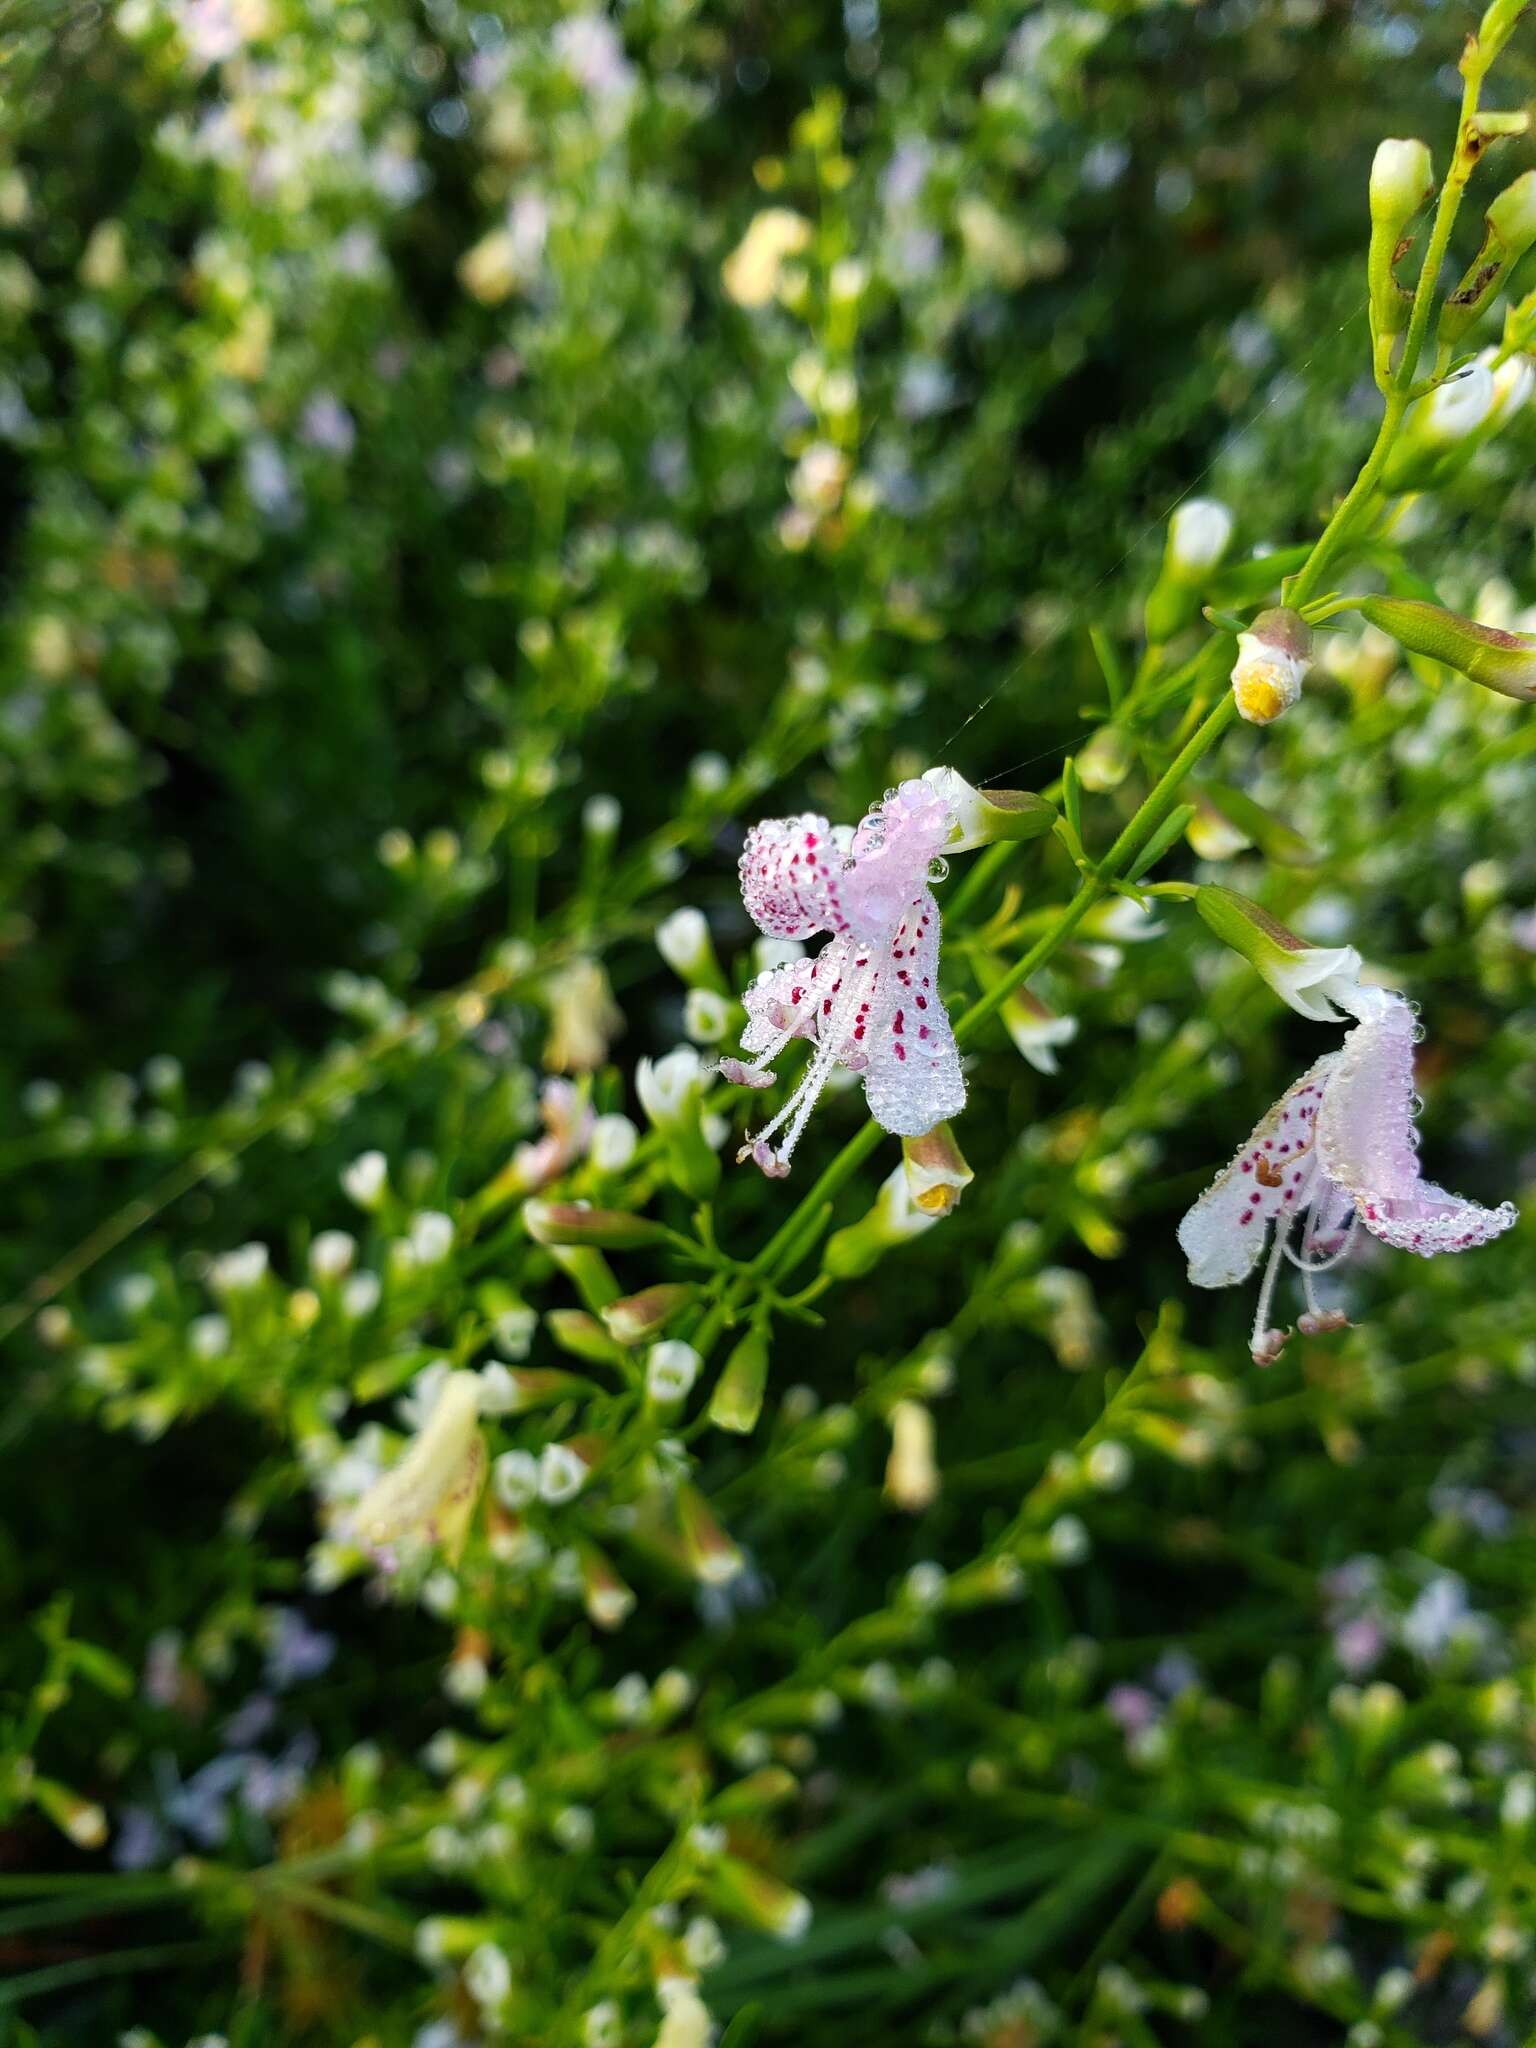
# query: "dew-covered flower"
1338, 1149
869, 1001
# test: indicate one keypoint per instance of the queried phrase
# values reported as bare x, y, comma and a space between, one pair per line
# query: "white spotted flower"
869, 1001
1338, 1149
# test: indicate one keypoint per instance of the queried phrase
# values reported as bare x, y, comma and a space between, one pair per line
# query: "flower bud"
1496, 27
1402, 178
637, 1318
911, 1471
1500, 661
1512, 215
981, 817
936, 1172
1311, 979
1441, 431
671, 1092
670, 1371
1272, 659
750, 1894
518, 1389
894, 1218
737, 1400
712, 1556
1036, 1029
1510, 231
608, 1601
1513, 381
1199, 534
754, 1794
1106, 760
683, 941
578, 1223
583, 1336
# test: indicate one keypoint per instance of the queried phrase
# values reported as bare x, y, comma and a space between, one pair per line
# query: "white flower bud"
1402, 178
365, 1178
613, 1143
237, 1271
1457, 408
488, 1976
706, 1016
562, 1474
515, 1477
1199, 534
331, 1254
671, 1368
683, 942
669, 1088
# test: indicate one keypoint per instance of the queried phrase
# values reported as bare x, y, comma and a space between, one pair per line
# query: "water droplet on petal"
938, 869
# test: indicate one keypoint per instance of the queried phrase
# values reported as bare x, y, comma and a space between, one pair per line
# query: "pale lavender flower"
269, 484
590, 49
1339, 1148
1133, 1708
141, 1840
328, 426
869, 1001
295, 1650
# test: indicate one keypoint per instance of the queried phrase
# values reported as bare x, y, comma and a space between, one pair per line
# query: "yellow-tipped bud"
937, 1175
1272, 660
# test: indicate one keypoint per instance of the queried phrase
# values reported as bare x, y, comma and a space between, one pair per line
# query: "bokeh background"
461, 465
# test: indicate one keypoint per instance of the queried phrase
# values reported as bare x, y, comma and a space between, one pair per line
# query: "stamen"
1268, 1342
831, 1032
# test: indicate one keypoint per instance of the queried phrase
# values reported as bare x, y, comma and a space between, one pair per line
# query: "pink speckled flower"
1338, 1148
869, 1001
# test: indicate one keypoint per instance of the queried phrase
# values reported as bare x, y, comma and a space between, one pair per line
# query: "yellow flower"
433, 1489
750, 273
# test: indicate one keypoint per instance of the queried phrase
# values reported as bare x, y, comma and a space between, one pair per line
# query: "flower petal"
1367, 1143
914, 1079
791, 877
789, 998
1433, 1220
1365, 1135
1224, 1233
892, 849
